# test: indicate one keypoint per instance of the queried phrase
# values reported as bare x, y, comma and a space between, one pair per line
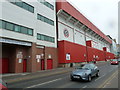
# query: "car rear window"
114, 60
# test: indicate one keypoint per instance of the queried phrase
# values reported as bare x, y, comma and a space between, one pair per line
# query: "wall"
78, 53
20, 16
77, 35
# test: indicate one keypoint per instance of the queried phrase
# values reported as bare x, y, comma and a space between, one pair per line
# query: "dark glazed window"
45, 38
23, 5
9, 26
45, 19
24, 30
17, 28
0, 24
14, 27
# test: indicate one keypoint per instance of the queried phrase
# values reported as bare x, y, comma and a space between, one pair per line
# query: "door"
42, 64
49, 64
24, 65
4, 65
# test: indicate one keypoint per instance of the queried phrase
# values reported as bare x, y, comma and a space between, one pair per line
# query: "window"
0, 23
38, 37
42, 37
45, 19
46, 4
31, 9
45, 38
30, 31
52, 40
18, 3
17, 28
24, 30
23, 5
41, 18
9, 26
3, 24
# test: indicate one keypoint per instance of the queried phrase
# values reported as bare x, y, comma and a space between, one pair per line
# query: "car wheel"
89, 78
98, 74
72, 79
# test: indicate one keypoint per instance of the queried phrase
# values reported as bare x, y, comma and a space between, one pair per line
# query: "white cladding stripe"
15, 42
78, 37
61, 29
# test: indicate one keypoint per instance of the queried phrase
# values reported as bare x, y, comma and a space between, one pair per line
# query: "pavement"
12, 78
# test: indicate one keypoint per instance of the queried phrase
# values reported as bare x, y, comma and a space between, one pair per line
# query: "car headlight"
84, 74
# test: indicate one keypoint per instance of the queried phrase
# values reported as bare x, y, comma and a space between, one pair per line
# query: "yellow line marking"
110, 78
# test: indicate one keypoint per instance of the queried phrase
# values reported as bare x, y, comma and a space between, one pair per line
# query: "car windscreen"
87, 66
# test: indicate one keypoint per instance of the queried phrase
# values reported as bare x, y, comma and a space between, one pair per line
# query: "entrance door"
24, 65
5, 64
49, 64
42, 64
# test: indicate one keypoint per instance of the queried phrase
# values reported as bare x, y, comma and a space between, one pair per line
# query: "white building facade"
29, 29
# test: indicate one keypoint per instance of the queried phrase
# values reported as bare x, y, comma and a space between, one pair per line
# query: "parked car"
3, 85
85, 72
114, 61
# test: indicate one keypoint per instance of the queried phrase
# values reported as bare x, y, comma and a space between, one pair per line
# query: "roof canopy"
67, 7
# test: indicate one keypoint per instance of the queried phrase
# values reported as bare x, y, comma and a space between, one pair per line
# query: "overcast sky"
102, 13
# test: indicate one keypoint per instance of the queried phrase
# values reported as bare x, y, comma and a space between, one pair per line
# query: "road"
108, 79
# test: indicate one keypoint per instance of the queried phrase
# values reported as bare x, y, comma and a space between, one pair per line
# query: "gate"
4, 64
49, 64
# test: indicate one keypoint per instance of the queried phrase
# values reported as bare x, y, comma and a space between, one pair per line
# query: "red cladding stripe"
77, 52
66, 6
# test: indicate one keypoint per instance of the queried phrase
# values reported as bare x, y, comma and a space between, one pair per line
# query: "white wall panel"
17, 15
79, 38
17, 36
61, 29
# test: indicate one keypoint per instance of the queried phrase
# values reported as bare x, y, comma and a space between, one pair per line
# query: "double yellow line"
109, 79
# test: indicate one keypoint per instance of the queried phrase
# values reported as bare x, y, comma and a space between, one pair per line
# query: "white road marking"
44, 83
100, 77
84, 87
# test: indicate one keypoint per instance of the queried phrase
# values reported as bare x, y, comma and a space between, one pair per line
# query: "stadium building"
45, 34
28, 35
78, 39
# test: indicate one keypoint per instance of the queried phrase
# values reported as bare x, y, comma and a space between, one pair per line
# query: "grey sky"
102, 13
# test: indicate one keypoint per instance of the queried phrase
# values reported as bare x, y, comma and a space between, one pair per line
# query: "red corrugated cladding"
110, 55
92, 53
77, 53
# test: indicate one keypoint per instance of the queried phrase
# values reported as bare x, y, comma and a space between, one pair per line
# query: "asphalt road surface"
108, 79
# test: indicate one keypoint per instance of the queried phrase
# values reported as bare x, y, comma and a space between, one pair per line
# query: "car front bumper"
78, 77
